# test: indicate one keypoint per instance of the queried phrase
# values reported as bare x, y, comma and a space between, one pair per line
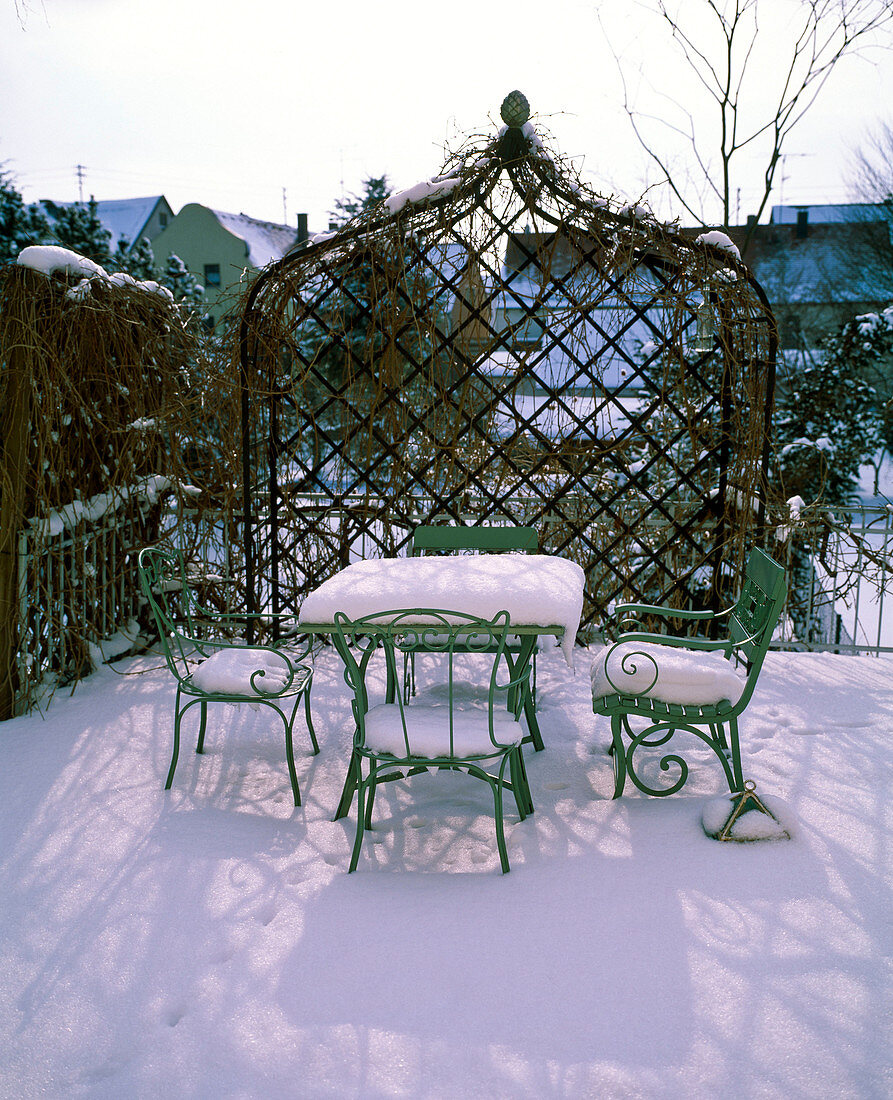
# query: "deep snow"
207, 942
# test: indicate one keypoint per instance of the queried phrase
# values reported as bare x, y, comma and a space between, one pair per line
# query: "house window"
162, 219
212, 274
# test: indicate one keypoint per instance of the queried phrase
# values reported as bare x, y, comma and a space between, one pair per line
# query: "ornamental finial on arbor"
515, 109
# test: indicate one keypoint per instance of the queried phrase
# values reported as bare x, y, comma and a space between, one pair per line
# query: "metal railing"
846, 590
77, 586
75, 590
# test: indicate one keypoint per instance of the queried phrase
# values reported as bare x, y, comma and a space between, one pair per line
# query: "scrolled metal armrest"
292, 668
629, 668
629, 615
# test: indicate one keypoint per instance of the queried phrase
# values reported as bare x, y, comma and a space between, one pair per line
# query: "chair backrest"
174, 608
435, 630
753, 618
448, 538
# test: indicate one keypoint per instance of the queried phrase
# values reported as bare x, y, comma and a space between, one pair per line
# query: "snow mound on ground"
752, 824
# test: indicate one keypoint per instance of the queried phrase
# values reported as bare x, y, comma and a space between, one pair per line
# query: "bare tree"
870, 179
871, 172
759, 66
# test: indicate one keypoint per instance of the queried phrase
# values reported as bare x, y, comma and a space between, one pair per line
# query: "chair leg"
618, 755
361, 816
176, 752
371, 788
350, 785
735, 752
500, 825
520, 786
203, 721
309, 720
290, 756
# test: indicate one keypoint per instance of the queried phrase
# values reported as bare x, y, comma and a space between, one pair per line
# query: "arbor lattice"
501, 344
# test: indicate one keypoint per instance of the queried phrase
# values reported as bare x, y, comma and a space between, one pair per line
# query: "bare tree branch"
720, 41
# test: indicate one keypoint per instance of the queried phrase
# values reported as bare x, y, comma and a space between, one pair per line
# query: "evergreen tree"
182, 283
78, 227
349, 357
827, 424
375, 191
20, 225
138, 261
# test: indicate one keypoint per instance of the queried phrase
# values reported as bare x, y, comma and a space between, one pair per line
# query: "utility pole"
80, 172
284, 208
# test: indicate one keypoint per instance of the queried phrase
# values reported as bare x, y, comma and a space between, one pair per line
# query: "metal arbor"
499, 344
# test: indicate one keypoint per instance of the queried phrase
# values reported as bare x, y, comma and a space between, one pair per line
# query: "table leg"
391, 664
525, 656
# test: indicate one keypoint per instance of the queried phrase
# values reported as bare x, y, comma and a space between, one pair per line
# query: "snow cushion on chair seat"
229, 671
690, 677
429, 731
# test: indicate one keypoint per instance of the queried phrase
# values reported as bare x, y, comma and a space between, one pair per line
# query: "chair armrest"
708, 644
666, 612
633, 612
687, 643
291, 665
239, 616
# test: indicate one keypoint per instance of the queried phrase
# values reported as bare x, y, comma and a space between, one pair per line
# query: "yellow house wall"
198, 238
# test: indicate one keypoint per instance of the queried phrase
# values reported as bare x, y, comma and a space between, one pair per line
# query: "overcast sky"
227, 102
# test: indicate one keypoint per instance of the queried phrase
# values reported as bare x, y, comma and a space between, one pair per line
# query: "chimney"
751, 222
302, 228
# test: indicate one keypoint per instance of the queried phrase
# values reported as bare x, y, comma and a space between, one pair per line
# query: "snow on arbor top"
720, 240
535, 589
50, 259
419, 192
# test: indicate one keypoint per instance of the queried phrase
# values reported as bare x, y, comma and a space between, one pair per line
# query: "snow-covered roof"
829, 263
830, 212
121, 217
266, 241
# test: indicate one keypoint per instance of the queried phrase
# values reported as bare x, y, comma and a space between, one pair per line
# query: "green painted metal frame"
444, 538
527, 637
450, 634
449, 538
190, 632
749, 631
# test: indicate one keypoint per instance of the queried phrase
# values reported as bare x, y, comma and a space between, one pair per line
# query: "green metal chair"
629, 689
453, 538
484, 741
431, 539
211, 665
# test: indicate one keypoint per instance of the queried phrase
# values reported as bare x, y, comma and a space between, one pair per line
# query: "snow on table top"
535, 589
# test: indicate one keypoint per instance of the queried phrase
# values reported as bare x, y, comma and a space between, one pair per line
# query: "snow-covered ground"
207, 942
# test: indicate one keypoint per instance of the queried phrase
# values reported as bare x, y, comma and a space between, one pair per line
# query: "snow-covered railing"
78, 595
839, 594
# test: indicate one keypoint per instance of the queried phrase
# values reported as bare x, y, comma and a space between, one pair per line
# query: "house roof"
829, 262
266, 241
121, 217
830, 212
